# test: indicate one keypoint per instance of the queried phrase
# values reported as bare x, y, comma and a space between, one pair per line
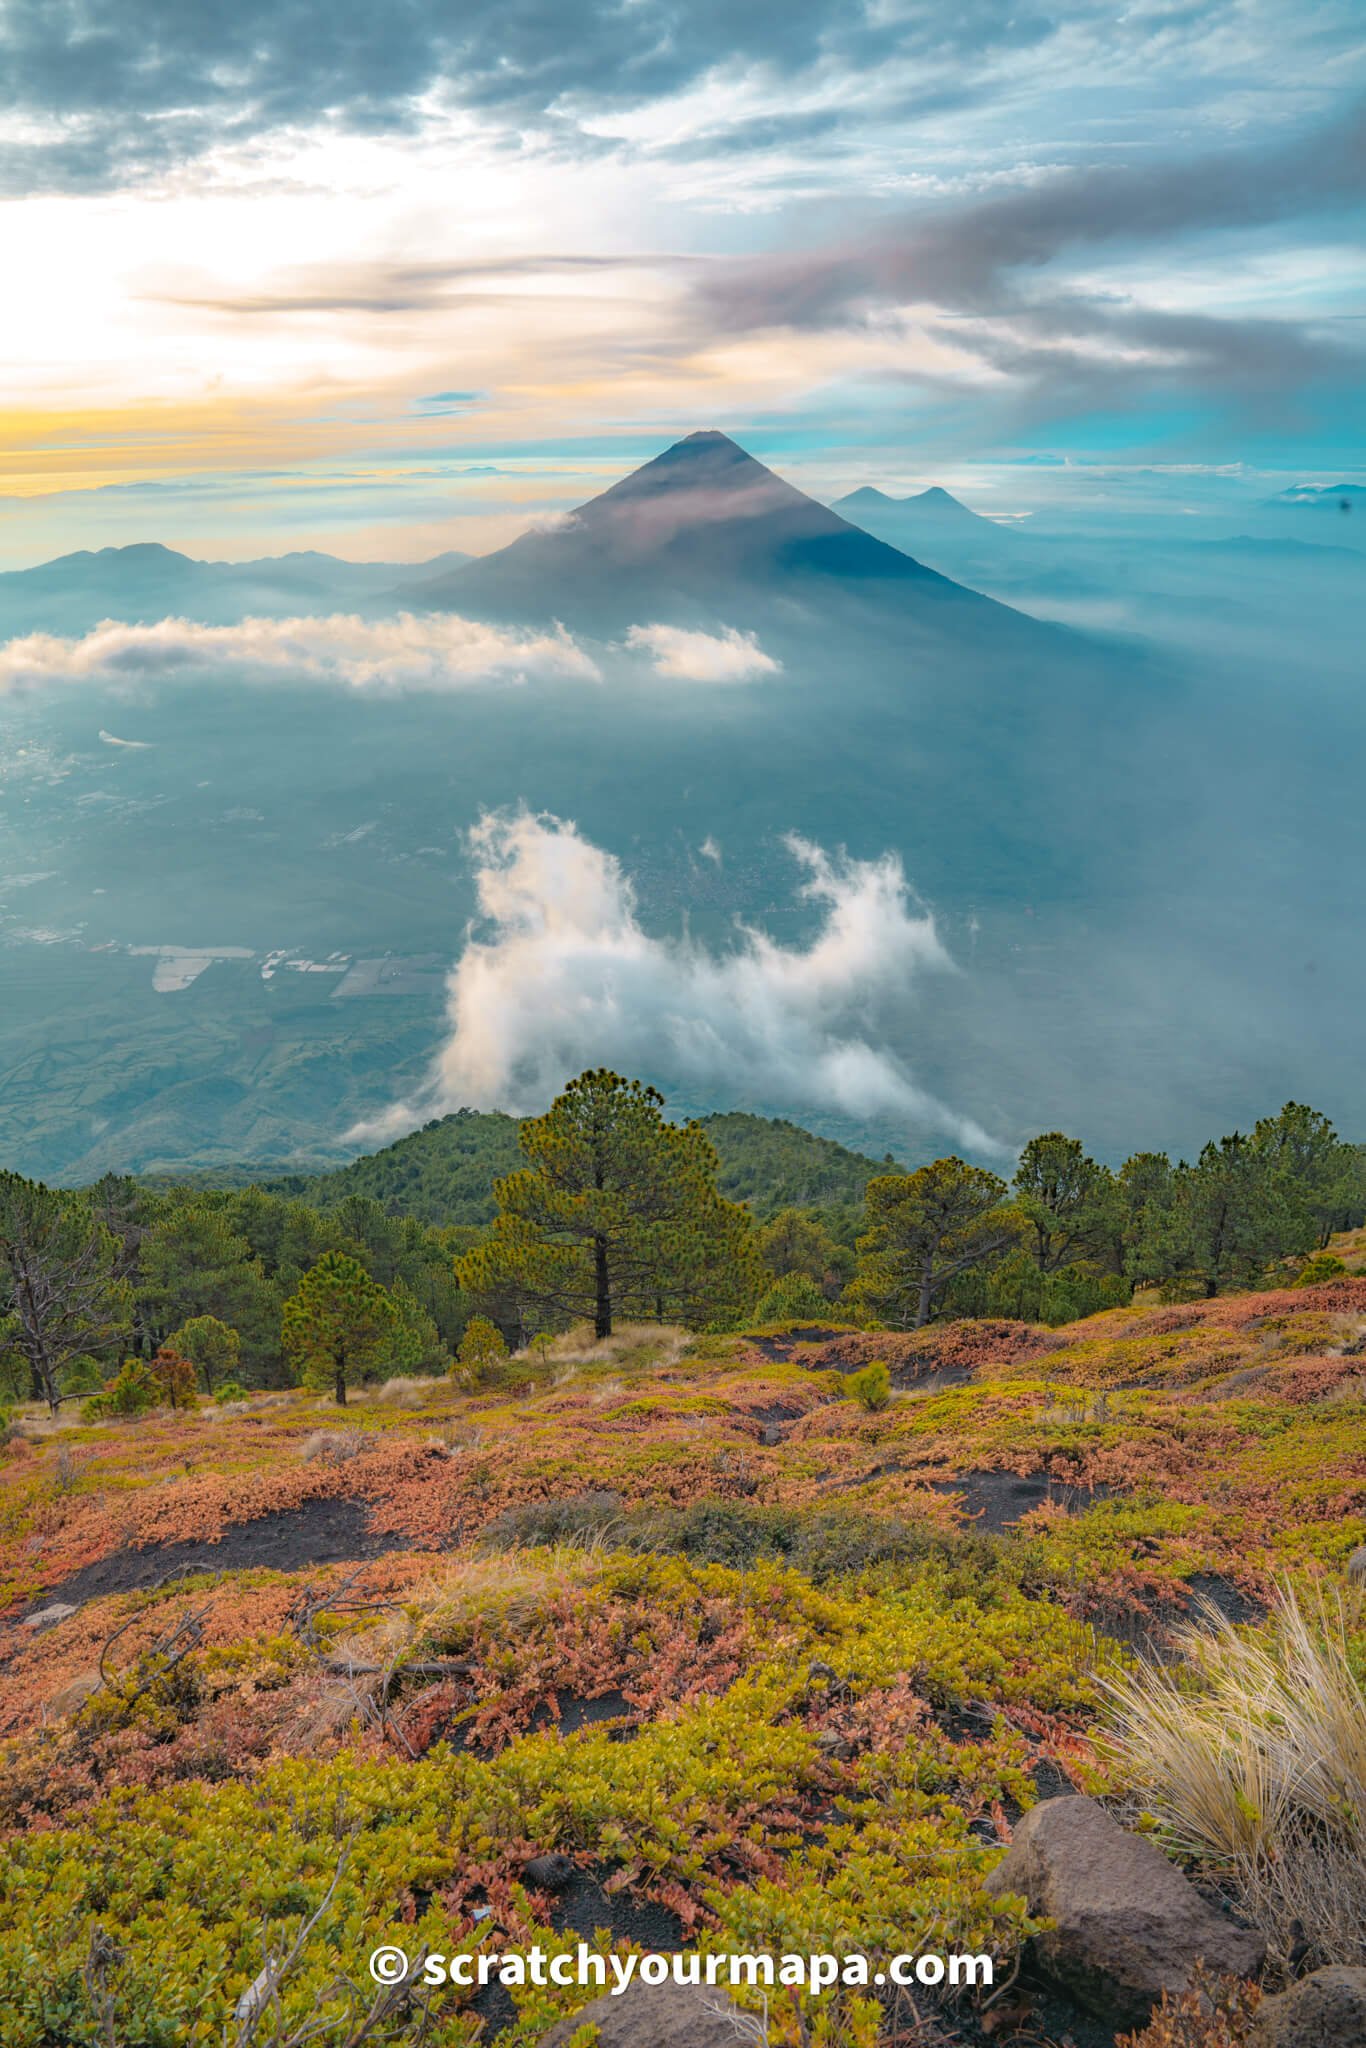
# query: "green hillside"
444, 1172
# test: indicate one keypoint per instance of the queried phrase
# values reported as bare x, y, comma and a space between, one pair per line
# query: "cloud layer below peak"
410, 652
565, 976
427, 651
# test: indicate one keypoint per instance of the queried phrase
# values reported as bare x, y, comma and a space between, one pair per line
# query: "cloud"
729, 656
976, 273
436, 651
102, 91
566, 977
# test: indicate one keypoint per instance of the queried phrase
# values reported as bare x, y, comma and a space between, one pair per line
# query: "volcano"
702, 526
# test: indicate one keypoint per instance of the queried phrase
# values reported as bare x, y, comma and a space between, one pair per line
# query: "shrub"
231, 1390
828, 1547
871, 1386
581, 1520
1216, 2013
1323, 1266
482, 1347
1252, 1756
83, 1376
176, 1378
133, 1390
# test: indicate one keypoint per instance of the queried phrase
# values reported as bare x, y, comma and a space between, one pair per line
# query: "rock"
1356, 1566
658, 2016
550, 1873
48, 1617
1129, 1924
1327, 2008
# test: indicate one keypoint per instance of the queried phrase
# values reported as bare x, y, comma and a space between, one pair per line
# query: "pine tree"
925, 1228
214, 1349
615, 1213
1231, 1216
194, 1263
60, 1288
339, 1326
1072, 1204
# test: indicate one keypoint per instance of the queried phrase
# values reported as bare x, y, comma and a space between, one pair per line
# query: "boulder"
1327, 2008
48, 1617
1356, 1566
659, 2016
1129, 1925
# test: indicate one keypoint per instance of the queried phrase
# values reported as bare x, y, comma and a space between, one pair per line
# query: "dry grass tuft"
630, 1348
1252, 1756
406, 1393
333, 1446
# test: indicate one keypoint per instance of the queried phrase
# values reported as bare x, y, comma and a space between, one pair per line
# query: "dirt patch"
774, 1421
995, 1501
319, 1532
581, 1907
1231, 1601
784, 1346
576, 1712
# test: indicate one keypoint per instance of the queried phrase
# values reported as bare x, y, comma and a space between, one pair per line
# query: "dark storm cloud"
112, 89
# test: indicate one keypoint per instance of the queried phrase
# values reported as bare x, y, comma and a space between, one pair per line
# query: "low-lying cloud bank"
413, 651
567, 978
729, 656
427, 651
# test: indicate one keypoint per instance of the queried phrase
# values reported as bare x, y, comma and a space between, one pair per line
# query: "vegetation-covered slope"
766, 1666
354, 1565
445, 1172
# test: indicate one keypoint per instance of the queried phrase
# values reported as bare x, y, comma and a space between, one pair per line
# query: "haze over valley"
927, 827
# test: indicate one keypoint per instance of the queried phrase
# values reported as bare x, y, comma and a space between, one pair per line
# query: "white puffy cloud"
568, 978
729, 656
427, 651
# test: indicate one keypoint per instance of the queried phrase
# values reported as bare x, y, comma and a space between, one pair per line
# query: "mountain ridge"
143, 581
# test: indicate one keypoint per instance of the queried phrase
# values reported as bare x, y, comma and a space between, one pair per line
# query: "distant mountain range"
146, 581
1322, 497
941, 530
936, 507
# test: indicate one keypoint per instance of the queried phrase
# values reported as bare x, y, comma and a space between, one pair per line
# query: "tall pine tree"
616, 1213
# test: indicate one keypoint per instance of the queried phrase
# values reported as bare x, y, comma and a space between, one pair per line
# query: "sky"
393, 280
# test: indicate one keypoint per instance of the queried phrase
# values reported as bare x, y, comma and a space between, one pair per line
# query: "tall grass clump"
1251, 1755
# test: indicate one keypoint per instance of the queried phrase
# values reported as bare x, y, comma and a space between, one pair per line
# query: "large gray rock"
48, 1617
1129, 1925
1327, 2010
1356, 1566
660, 2016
